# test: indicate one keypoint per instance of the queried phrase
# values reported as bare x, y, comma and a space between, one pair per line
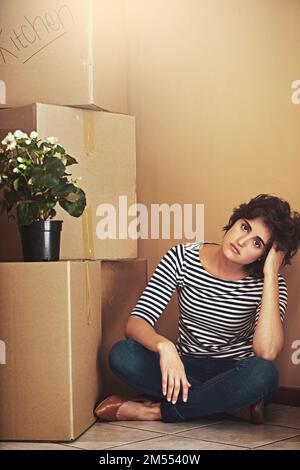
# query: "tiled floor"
281, 430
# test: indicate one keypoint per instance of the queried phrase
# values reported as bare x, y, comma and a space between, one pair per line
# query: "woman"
232, 302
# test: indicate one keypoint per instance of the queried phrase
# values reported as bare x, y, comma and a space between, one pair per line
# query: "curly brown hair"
283, 223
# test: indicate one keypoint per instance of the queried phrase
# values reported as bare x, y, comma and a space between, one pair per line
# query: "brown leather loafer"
253, 413
107, 409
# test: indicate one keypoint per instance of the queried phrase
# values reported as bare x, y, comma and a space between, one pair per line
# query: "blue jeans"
218, 385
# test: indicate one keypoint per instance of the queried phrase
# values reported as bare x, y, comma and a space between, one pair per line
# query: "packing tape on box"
89, 132
87, 228
89, 147
88, 294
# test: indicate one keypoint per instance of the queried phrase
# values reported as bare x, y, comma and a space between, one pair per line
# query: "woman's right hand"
173, 373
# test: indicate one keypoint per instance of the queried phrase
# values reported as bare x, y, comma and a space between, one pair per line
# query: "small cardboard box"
65, 52
104, 146
122, 284
50, 334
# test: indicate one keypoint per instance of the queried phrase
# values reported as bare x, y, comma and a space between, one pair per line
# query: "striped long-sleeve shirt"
217, 318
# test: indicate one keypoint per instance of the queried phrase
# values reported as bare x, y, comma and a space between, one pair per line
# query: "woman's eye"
257, 243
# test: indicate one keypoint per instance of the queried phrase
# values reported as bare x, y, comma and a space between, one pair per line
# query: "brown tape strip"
89, 147
89, 132
87, 228
88, 294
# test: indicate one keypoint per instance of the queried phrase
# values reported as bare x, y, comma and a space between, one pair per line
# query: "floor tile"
274, 407
172, 442
281, 430
287, 444
105, 435
169, 428
33, 446
241, 434
285, 416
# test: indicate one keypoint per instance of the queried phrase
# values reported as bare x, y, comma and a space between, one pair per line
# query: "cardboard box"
66, 52
122, 284
288, 361
50, 325
104, 146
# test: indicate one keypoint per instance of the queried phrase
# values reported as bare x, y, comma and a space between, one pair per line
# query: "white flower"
22, 166
12, 145
46, 149
20, 135
34, 135
52, 140
20, 159
8, 139
76, 180
27, 141
16, 170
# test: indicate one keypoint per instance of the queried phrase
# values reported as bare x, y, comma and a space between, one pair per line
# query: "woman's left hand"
273, 261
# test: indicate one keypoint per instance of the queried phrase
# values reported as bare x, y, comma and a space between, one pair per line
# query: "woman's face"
250, 237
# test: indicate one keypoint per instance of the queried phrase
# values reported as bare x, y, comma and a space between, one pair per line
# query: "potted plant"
33, 179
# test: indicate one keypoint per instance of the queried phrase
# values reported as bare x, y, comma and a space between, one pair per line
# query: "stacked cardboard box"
58, 320
131, 277
65, 52
51, 332
104, 146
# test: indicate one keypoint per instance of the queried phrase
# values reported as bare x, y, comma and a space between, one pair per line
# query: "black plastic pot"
41, 240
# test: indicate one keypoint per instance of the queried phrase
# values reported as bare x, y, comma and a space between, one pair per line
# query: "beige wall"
210, 84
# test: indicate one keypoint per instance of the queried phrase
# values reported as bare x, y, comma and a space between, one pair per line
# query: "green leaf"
72, 197
48, 208
47, 175
16, 184
37, 174
27, 213
52, 213
75, 208
70, 160
59, 187
60, 149
49, 180
65, 189
54, 165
